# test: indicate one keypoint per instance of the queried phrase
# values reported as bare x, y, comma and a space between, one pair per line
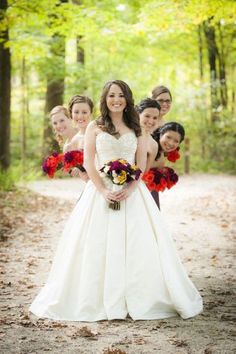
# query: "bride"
111, 263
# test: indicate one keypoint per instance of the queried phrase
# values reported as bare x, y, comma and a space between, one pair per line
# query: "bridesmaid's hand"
84, 176
75, 172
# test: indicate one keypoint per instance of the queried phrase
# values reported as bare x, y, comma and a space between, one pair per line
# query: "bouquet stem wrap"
115, 205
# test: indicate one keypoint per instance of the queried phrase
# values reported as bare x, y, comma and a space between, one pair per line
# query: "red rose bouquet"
65, 162
52, 164
120, 172
74, 158
160, 179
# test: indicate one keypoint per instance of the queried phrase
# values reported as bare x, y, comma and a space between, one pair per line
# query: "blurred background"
51, 50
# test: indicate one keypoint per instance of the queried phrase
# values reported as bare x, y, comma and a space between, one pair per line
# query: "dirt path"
201, 215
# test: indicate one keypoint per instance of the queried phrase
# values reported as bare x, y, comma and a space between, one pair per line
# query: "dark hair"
158, 90
79, 99
130, 116
173, 126
147, 103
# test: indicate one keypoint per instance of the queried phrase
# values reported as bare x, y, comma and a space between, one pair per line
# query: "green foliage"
144, 43
16, 175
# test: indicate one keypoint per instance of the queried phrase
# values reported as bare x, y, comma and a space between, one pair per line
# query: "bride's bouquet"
160, 179
120, 172
63, 162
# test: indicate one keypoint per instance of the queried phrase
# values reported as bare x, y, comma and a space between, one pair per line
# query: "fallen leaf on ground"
113, 351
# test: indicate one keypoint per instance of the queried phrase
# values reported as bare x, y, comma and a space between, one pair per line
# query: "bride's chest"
125, 143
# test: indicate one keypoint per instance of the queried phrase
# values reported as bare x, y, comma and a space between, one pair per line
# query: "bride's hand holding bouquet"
120, 172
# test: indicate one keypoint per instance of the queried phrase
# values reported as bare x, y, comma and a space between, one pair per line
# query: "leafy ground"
201, 216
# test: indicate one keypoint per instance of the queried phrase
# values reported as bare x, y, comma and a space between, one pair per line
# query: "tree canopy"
189, 46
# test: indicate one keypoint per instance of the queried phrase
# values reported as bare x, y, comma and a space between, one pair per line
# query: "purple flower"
137, 174
174, 178
55, 154
68, 157
116, 165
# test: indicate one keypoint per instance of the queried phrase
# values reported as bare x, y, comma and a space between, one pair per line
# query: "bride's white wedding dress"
110, 263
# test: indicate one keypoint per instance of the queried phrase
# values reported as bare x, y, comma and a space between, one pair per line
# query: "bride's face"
115, 99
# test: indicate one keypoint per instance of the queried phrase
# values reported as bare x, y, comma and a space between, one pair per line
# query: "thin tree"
212, 49
5, 92
55, 88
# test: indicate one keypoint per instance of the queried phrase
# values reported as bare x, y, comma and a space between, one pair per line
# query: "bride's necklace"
117, 129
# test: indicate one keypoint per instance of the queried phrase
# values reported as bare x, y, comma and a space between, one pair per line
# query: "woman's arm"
141, 153
89, 156
89, 162
70, 146
160, 163
151, 155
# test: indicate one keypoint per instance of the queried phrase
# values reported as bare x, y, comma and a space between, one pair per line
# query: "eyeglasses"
164, 101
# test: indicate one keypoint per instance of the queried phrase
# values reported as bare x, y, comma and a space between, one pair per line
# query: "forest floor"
201, 216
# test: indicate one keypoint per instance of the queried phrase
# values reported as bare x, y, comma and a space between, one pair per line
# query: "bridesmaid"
149, 117
80, 110
62, 126
168, 138
163, 96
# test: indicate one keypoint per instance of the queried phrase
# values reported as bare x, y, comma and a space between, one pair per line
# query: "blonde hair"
54, 111
79, 99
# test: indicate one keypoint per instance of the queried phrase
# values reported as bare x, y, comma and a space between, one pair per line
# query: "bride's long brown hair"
130, 115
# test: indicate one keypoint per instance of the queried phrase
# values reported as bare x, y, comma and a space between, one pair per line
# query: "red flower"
72, 159
65, 161
162, 185
148, 177
173, 156
159, 180
151, 186
52, 163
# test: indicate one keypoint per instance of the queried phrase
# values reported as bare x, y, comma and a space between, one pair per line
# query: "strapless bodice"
109, 148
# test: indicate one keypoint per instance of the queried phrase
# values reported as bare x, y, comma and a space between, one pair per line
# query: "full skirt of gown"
110, 263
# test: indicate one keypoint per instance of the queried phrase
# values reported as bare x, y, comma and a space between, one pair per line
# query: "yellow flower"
123, 161
122, 177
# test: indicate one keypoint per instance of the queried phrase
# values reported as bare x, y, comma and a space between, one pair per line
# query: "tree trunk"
54, 93
5, 94
55, 88
200, 47
79, 51
202, 113
222, 73
233, 102
186, 156
24, 111
212, 57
